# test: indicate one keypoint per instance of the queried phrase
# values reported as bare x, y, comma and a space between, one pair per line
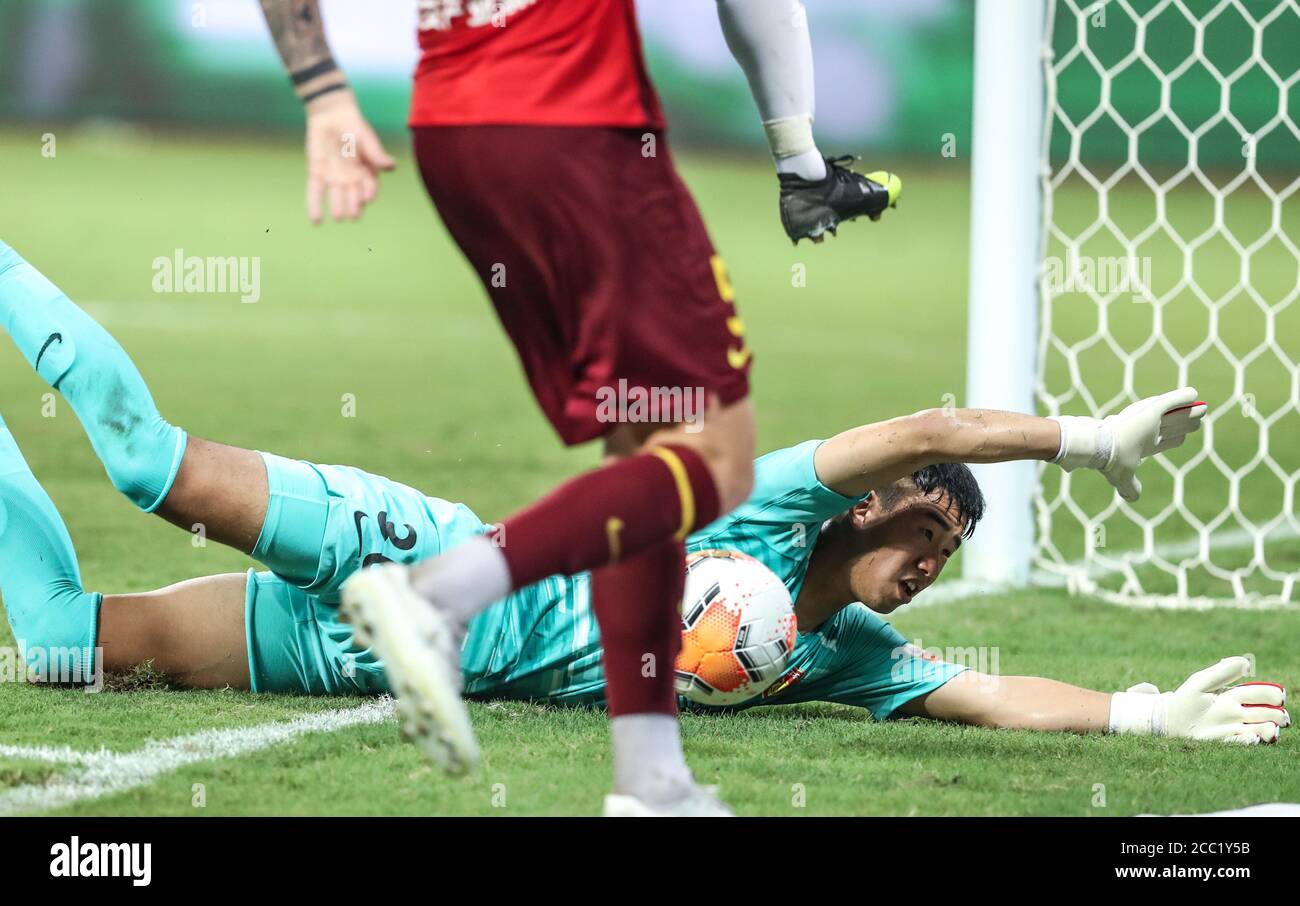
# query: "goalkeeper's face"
900, 550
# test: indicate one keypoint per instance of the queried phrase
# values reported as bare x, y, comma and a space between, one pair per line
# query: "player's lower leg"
76, 356
663, 490
53, 618
770, 41
191, 482
637, 603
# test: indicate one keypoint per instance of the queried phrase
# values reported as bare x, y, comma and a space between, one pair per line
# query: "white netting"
1171, 152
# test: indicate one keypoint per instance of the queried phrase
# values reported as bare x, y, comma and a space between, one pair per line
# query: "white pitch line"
104, 772
46, 754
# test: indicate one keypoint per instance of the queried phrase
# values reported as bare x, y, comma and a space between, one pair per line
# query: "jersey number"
389, 532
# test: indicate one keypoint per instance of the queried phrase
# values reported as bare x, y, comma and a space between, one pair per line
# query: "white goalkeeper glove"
1203, 708
1117, 445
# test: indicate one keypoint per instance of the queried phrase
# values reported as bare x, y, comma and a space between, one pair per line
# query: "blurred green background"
891, 74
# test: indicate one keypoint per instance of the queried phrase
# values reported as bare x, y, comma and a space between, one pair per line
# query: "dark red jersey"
532, 62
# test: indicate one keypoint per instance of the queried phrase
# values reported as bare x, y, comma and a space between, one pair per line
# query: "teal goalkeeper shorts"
296, 643
324, 523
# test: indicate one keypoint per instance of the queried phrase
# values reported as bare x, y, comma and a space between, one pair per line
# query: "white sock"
770, 41
465, 580
808, 165
648, 758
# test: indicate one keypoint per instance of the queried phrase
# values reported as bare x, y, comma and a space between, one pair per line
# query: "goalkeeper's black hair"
953, 478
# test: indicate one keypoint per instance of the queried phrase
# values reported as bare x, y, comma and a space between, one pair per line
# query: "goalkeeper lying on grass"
871, 515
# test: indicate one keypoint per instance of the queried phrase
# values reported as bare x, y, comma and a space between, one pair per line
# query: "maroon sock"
638, 606
611, 514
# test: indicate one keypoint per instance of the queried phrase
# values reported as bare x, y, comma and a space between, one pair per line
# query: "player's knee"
141, 471
131, 478
731, 466
728, 448
734, 478
55, 629
724, 443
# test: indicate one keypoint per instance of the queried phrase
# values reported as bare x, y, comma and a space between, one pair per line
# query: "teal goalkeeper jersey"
543, 642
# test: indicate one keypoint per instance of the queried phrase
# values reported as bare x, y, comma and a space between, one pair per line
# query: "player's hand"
1118, 444
1205, 706
344, 157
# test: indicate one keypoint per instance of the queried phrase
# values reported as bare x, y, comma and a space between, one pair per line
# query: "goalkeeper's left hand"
1204, 707
1117, 445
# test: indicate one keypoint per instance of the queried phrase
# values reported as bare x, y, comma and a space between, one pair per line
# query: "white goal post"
1135, 226
1005, 250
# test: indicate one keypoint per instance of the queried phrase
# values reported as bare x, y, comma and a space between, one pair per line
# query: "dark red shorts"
597, 262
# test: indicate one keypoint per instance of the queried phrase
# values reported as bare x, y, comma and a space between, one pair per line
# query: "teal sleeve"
139, 449
874, 667
53, 618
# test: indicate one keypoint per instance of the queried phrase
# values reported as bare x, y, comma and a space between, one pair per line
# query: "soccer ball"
738, 628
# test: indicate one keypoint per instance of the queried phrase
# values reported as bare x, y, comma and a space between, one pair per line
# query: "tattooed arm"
344, 156
299, 36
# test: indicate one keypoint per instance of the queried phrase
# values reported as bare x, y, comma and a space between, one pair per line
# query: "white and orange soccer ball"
738, 628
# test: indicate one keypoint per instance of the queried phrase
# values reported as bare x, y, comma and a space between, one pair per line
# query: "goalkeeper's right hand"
1203, 707
1118, 444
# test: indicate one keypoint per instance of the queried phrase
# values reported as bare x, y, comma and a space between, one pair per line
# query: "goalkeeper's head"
893, 545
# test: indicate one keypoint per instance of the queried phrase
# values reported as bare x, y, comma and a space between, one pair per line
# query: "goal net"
1169, 257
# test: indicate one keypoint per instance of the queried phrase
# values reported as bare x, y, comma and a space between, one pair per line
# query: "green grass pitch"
387, 312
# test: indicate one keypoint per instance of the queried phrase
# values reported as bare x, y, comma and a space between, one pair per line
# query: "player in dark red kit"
540, 140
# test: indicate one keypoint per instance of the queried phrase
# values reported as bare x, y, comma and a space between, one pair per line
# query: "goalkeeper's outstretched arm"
876, 455
1207, 706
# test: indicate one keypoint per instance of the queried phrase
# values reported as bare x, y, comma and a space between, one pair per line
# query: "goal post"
1005, 251
1136, 227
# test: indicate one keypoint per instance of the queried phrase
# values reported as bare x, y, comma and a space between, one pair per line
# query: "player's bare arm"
344, 155
873, 456
1210, 705
919, 539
